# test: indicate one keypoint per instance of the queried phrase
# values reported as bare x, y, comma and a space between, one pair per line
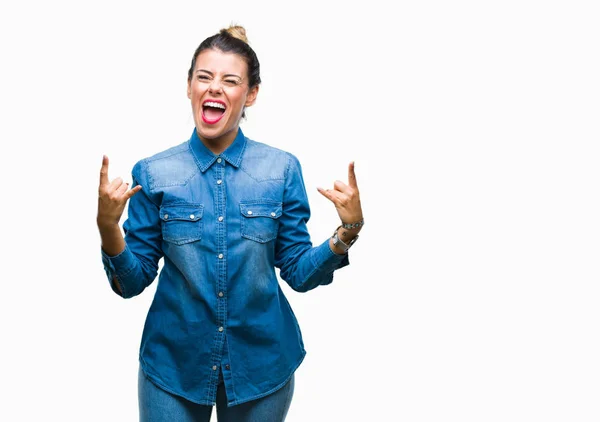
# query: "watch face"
339, 243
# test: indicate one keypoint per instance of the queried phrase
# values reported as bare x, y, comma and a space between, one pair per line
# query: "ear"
251, 98
189, 89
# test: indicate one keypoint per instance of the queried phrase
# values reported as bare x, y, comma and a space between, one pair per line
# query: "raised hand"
345, 197
112, 197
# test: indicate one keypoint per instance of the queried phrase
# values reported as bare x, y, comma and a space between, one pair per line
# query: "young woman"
224, 212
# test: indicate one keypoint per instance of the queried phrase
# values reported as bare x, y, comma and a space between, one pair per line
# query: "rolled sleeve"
117, 267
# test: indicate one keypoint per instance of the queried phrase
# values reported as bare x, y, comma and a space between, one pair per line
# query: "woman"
223, 211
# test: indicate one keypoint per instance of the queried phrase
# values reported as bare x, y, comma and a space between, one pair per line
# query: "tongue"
213, 113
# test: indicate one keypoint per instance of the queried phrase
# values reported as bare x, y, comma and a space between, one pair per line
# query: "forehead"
217, 61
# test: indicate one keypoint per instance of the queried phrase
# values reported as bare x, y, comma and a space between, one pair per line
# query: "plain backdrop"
473, 291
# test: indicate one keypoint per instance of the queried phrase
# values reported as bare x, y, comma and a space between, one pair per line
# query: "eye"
231, 82
203, 78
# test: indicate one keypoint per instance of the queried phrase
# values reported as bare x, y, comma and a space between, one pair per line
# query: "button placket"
221, 252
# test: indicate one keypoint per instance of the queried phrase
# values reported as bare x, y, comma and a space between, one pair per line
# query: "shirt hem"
271, 391
158, 382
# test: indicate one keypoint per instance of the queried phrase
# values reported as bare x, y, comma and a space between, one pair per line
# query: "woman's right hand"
112, 197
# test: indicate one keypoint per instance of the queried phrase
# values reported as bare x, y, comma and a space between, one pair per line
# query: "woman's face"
219, 93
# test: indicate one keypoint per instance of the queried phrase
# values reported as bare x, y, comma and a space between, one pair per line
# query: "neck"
219, 144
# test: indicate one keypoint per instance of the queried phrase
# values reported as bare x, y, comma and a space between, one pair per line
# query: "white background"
473, 292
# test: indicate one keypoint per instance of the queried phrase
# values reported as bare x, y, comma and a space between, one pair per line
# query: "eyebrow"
225, 76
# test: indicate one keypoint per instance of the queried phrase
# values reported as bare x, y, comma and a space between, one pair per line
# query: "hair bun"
236, 31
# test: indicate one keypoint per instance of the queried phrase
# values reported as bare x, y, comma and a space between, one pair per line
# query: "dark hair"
231, 40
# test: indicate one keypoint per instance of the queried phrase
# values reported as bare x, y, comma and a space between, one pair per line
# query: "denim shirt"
222, 224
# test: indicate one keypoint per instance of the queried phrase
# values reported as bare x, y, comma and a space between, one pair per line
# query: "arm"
130, 262
301, 265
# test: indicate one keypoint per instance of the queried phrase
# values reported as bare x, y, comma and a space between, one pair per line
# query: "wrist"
342, 240
347, 235
106, 225
356, 224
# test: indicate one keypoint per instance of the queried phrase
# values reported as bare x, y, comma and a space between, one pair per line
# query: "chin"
212, 132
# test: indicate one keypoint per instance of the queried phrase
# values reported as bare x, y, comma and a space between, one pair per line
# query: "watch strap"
340, 243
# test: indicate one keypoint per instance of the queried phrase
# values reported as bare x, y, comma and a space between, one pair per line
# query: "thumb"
133, 191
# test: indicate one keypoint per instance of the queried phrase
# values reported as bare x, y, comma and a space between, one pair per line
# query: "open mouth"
213, 111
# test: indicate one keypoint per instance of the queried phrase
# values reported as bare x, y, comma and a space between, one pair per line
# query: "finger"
122, 189
325, 193
352, 176
115, 184
133, 191
342, 187
104, 171
331, 194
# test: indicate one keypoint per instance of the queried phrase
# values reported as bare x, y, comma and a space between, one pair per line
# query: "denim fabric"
157, 405
223, 225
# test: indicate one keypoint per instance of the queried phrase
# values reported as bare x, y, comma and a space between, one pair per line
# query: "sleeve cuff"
326, 260
117, 267
122, 263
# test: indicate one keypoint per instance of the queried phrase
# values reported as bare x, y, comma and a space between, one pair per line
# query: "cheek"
197, 90
239, 100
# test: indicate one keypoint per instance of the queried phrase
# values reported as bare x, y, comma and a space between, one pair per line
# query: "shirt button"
220, 294
227, 366
220, 256
219, 182
221, 329
221, 218
192, 216
249, 212
273, 214
219, 160
214, 367
166, 217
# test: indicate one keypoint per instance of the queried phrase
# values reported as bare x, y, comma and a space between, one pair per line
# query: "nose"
215, 86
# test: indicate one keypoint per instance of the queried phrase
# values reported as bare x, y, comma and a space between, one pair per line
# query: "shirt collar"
205, 157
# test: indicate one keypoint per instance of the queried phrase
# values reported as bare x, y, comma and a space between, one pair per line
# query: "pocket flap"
270, 209
186, 212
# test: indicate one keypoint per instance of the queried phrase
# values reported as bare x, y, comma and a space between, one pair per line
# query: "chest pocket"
181, 223
260, 220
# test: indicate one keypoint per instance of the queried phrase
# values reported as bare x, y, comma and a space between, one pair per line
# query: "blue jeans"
157, 405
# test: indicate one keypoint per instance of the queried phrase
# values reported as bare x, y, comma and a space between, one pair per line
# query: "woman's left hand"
345, 197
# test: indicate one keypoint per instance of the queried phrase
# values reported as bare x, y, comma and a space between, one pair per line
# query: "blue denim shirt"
222, 224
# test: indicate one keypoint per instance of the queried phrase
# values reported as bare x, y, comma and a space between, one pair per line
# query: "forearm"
309, 267
129, 273
112, 239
